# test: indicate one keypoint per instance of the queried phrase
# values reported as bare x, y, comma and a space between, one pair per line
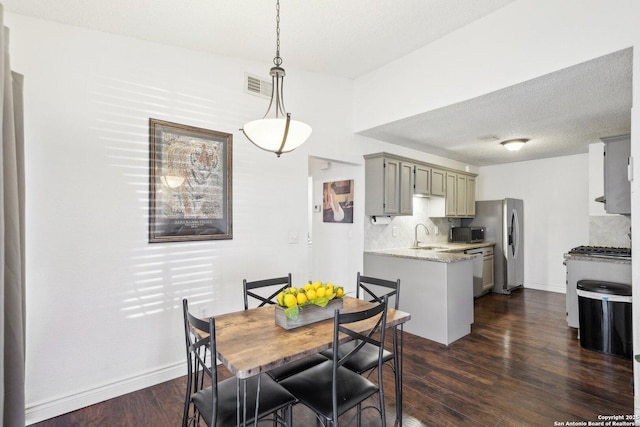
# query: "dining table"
249, 342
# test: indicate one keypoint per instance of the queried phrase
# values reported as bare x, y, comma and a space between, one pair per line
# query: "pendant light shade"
279, 135
276, 132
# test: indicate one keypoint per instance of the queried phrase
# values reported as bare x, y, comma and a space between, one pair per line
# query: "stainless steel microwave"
466, 234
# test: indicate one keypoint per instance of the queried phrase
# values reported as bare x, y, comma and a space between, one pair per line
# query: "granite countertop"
598, 258
442, 252
457, 247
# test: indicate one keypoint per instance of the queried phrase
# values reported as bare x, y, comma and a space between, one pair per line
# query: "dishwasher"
478, 263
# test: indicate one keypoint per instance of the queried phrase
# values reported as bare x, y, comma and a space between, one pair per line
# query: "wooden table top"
249, 342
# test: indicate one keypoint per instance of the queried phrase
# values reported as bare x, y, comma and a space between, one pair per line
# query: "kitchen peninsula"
436, 287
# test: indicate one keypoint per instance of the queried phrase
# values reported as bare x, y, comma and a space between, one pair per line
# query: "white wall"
521, 41
103, 305
524, 40
556, 218
93, 281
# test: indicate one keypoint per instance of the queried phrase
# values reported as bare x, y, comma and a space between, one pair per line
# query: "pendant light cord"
277, 60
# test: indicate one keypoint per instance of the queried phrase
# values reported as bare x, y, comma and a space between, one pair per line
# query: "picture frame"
190, 185
337, 201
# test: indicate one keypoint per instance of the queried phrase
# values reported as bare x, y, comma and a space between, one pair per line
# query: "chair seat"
285, 371
365, 359
273, 397
313, 388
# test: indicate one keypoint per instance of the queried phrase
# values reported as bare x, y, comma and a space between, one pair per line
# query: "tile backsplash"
604, 230
610, 230
399, 233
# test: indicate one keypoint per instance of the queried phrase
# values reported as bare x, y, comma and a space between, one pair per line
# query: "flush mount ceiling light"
514, 144
276, 132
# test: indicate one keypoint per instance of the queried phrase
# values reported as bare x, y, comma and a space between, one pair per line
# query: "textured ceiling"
560, 113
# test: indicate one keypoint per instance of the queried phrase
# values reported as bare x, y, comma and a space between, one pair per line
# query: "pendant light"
276, 132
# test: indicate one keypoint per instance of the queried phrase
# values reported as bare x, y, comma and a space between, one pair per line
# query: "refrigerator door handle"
515, 233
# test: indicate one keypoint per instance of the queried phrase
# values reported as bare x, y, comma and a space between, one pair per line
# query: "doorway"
334, 248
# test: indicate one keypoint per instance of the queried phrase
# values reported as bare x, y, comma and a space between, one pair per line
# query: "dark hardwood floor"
520, 366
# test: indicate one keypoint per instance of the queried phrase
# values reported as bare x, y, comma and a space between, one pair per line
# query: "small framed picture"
337, 201
190, 194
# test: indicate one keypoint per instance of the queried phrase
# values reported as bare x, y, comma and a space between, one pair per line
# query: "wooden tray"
308, 314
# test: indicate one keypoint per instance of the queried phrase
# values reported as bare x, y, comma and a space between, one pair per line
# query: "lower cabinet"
487, 269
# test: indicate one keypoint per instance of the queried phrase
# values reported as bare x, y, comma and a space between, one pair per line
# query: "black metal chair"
330, 389
218, 404
374, 290
278, 284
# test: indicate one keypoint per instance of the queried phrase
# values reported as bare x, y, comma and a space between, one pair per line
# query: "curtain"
12, 250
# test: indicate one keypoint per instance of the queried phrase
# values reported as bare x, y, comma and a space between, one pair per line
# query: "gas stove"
602, 251
600, 263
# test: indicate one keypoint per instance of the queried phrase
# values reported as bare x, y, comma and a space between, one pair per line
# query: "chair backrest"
197, 350
282, 283
374, 335
374, 289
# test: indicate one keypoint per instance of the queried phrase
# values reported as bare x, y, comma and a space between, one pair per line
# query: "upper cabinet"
392, 181
617, 188
460, 197
389, 185
438, 182
471, 196
423, 180
406, 186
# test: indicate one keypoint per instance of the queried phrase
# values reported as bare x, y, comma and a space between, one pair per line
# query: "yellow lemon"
302, 298
320, 292
290, 300
329, 289
339, 292
311, 295
293, 291
281, 298
316, 285
307, 286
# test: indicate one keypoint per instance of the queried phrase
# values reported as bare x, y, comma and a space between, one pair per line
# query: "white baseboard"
43, 410
560, 289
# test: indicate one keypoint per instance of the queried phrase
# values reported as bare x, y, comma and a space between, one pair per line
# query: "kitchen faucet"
416, 243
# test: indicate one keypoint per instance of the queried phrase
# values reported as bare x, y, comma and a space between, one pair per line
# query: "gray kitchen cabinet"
388, 186
487, 269
406, 186
438, 182
471, 196
423, 180
451, 195
617, 188
460, 196
391, 182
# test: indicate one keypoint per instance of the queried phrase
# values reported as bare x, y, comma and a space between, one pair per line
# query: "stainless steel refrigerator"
503, 221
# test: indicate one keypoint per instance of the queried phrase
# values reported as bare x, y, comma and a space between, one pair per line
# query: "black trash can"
604, 310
